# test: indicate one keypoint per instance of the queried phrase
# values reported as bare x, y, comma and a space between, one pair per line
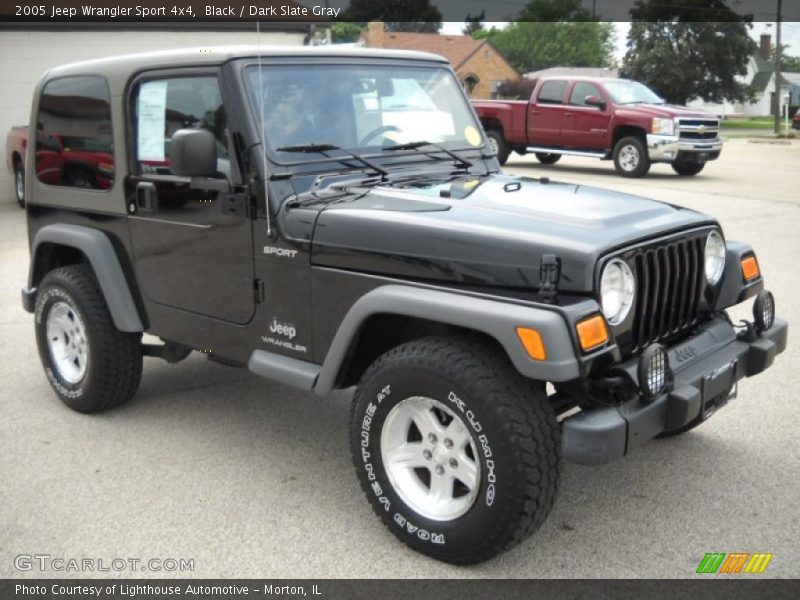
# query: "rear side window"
552, 92
74, 141
164, 106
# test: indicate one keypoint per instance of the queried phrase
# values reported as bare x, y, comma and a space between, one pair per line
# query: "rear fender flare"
99, 251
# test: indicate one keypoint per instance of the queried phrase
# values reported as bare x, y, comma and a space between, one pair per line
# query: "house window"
470, 82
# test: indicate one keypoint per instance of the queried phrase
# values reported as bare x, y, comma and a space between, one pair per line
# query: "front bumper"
670, 148
706, 368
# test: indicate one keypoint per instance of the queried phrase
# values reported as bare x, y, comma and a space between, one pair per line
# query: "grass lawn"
752, 123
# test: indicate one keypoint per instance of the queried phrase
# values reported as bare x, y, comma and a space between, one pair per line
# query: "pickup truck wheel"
688, 169
547, 158
81, 179
91, 365
456, 452
497, 142
630, 157
19, 183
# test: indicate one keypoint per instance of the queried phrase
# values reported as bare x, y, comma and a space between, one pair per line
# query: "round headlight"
617, 289
715, 257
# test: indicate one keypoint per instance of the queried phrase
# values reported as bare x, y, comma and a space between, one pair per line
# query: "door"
585, 127
545, 114
188, 253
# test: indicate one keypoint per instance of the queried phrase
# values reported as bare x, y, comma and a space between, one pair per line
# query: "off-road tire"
642, 165
19, 176
501, 146
114, 364
548, 158
688, 169
517, 437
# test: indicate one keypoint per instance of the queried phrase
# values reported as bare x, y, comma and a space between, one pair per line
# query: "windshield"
631, 92
359, 107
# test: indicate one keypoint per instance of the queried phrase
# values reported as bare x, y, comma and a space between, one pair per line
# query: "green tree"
681, 57
530, 46
554, 10
474, 24
343, 32
789, 63
397, 15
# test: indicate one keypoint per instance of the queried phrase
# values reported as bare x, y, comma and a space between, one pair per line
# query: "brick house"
478, 64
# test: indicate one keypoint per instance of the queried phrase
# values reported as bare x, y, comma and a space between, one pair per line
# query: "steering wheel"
377, 131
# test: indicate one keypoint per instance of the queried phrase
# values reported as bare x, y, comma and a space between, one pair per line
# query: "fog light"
764, 310
654, 372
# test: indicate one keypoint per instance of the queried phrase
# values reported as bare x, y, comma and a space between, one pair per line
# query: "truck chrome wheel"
430, 458
19, 180
629, 157
66, 339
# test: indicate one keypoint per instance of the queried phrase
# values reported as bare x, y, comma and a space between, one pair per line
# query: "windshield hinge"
236, 203
549, 274
258, 291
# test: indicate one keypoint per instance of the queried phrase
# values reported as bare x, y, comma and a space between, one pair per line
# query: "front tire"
456, 452
688, 169
547, 158
19, 183
498, 144
91, 365
631, 158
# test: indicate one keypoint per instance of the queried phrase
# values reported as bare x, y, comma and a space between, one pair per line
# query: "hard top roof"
126, 64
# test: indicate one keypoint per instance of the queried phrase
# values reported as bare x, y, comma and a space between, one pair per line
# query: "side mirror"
193, 153
594, 101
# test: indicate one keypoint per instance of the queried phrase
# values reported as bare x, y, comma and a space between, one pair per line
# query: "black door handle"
146, 197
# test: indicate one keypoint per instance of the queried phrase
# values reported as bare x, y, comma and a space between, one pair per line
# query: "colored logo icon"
734, 562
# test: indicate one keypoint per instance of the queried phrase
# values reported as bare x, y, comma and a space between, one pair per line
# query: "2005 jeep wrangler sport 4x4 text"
333, 218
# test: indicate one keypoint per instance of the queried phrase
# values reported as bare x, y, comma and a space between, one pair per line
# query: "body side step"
566, 152
284, 369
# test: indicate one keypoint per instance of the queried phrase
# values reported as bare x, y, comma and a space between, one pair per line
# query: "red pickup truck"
66, 160
16, 142
602, 118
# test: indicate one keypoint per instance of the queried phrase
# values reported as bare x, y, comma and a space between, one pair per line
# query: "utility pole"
778, 71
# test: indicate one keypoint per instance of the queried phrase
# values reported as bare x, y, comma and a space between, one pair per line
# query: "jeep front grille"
670, 281
698, 129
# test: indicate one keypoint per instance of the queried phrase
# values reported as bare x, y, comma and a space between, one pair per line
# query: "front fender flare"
497, 319
97, 248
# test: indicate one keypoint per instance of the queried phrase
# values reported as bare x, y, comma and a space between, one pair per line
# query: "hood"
667, 111
490, 230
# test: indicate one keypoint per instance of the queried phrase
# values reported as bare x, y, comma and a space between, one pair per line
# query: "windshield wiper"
322, 148
419, 144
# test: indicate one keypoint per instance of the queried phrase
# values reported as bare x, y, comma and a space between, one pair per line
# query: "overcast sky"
790, 34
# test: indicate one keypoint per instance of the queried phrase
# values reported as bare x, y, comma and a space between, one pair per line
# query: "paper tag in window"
472, 136
151, 116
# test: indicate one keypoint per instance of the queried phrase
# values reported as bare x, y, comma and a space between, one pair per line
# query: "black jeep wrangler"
334, 217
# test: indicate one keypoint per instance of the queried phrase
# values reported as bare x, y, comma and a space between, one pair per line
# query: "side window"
74, 142
163, 106
552, 92
579, 92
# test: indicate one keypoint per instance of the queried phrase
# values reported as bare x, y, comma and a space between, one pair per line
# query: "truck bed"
508, 115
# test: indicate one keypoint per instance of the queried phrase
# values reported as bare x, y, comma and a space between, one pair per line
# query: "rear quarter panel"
508, 114
16, 142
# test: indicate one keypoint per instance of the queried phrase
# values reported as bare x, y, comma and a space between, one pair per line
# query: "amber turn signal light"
532, 342
592, 332
750, 268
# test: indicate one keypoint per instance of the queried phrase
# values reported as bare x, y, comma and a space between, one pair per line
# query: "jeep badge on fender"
366, 237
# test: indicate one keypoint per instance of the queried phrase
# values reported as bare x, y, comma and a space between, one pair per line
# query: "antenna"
263, 134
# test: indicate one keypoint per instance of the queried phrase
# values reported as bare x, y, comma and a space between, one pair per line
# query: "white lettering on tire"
486, 449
